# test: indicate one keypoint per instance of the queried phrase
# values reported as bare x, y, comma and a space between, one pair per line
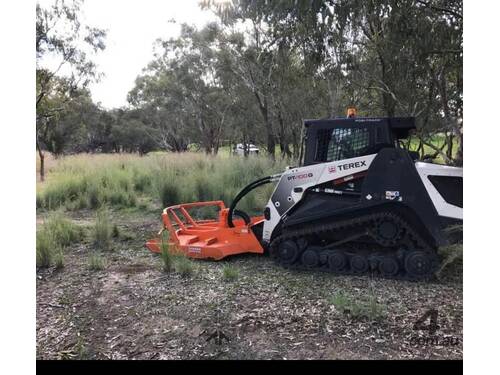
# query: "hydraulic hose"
253, 185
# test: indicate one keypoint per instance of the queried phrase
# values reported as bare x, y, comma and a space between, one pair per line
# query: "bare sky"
133, 26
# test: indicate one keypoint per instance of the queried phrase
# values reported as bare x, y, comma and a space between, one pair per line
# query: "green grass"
96, 262
62, 229
55, 234
123, 181
127, 180
340, 301
230, 273
45, 247
115, 232
103, 230
363, 307
166, 256
437, 140
183, 265
452, 254
59, 259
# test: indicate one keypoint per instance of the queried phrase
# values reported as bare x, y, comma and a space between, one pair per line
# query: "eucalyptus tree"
182, 90
389, 57
62, 39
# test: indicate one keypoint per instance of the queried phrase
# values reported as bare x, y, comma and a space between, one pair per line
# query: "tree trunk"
283, 141
449, 151
42, 161
42, 165
420, 148
271, 145
264, 110
459, 158
245, 145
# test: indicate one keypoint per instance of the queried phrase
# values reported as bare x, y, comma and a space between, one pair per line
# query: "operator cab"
344, 138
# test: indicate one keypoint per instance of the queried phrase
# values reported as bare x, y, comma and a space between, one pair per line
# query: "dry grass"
50, 164
121, 180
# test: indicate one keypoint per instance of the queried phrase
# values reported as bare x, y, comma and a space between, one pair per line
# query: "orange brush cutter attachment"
203, 239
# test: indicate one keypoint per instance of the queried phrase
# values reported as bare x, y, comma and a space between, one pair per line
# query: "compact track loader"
358, 204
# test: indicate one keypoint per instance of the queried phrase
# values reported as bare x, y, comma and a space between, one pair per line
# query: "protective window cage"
341, 143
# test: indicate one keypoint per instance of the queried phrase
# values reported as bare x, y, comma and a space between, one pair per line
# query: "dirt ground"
133, 310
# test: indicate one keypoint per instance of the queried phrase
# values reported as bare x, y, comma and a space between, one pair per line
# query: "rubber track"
412, 240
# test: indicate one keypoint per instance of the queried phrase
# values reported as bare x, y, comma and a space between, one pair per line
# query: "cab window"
341, 143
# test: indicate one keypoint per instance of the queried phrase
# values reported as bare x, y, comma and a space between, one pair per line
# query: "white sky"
133, 26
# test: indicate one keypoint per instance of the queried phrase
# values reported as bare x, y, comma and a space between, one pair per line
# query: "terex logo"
357, 164
332, 169
300, 176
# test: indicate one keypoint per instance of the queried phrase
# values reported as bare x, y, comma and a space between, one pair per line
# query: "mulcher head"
206, 239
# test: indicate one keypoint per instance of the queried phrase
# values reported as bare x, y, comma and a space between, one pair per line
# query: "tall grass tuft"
183, 265
95, 262
45, 245
59, 259
103, 230
62, 229
166, 256
116, 231
168, 192
452, 255
55, 234
229, 273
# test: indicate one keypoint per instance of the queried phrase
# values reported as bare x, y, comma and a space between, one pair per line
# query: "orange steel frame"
206, 239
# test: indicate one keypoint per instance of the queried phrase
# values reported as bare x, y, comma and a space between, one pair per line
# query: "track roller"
359, 264
337, 261
388, 266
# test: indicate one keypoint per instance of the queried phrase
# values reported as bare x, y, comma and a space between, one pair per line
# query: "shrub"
229, 273
102, 230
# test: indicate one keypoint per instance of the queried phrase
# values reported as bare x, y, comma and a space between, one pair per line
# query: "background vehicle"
251, 149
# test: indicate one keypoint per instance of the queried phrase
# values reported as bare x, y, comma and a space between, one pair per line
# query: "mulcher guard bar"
204, 239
